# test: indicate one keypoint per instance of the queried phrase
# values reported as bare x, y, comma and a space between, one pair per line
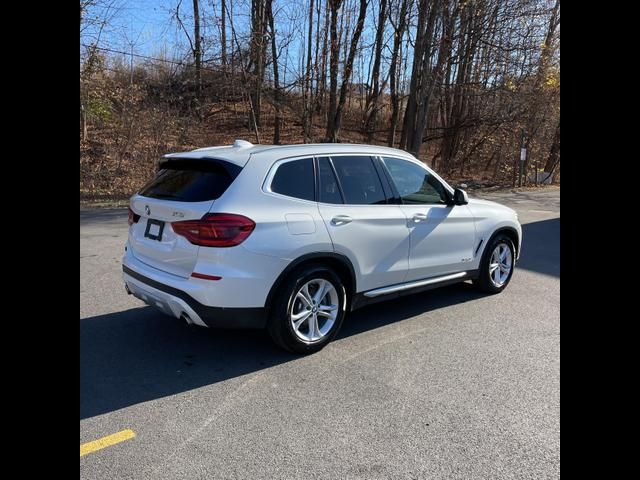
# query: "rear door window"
295, 179
191, 181
359, 180
329, 188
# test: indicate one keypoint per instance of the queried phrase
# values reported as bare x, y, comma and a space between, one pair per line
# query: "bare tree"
554, 153
456, 82
257, 56
537, 105
195, 45
91, 29
306, 95
223, 33
428, 63
316, 62
245, 80
334, 6
371, 109
460, 105
276, 78
399, 28
334, 121
197, 49
320, 97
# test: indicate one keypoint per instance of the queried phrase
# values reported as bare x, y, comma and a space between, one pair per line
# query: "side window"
295, 179
415, 184
329, 189
359, 180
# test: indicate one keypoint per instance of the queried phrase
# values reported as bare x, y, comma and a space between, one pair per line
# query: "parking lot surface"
449, 383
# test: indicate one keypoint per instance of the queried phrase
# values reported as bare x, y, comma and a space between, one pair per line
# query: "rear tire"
497, 265
308, 310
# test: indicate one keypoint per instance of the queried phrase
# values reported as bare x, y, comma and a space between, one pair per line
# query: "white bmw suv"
291, 238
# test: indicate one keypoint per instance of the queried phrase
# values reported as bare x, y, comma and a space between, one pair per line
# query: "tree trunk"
258, 50
422, 82
394, 74
432, 74
458, 110
246, 81
334, 6
371, 109
276, 78
322, 87
554, 154
197, 49
418, 52
308, 81
333, 128
223, 34
316, 58
83, 119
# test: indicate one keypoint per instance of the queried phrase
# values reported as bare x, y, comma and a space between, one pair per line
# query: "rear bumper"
176, 302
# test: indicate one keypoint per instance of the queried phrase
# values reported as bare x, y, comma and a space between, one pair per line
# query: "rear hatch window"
191, 181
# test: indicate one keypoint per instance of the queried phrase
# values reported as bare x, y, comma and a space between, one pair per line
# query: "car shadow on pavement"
140, 354
541, 247
409, 306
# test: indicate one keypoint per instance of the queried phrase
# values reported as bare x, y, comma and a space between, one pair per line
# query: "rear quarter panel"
286, 228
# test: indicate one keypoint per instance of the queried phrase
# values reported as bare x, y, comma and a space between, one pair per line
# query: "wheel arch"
510, 232
340, 264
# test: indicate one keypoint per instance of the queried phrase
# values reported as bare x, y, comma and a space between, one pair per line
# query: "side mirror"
460, 197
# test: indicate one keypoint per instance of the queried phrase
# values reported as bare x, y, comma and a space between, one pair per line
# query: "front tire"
308, 310
497, 264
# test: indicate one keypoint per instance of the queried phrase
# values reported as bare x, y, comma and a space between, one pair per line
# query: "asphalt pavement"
449, 383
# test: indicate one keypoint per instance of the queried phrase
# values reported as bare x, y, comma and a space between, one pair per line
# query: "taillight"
216, 230
133, 217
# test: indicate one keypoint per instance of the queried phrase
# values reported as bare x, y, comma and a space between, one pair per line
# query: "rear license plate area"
154, 229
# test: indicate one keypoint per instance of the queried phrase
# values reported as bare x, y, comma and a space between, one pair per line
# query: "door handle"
419, 217
341, 220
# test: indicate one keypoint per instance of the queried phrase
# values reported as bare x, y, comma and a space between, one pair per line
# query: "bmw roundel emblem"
147, 210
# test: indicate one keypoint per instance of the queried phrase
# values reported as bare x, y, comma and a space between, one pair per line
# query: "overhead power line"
173, 62
111, 50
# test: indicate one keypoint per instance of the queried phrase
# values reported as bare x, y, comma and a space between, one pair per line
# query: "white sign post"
523, 158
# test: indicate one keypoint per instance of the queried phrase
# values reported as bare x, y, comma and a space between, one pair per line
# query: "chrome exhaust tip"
186, 318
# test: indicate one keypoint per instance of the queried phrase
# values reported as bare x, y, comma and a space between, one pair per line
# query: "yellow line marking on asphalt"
107, 441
